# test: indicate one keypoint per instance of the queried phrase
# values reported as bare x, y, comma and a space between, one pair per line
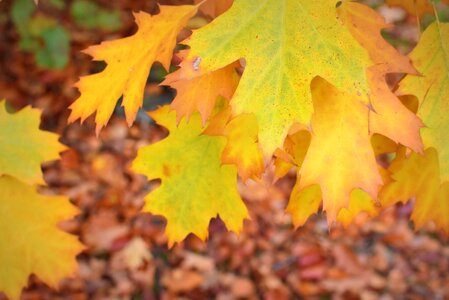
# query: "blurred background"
127, 255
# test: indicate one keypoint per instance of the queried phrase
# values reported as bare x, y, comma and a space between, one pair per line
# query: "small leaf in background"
54, 53
58, 4
41, 35
21, 13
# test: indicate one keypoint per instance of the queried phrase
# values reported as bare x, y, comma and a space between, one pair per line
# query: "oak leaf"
431, 58
195, 185
305, 202
293, 152
128, 65
31, 241
341, 120
340, 157
201, 93
23, 147
359, 202
418, 177
242, 148
426, 178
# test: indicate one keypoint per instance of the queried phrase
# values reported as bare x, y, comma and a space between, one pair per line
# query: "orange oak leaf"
387, 111
359, 202
128, 65
201, 93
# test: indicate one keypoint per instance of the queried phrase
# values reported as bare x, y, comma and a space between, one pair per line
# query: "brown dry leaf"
198, 262
135, 253
242, 288
180, 280
347, 260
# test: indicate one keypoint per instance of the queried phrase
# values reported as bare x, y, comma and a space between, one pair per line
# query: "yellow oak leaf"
303, 203
23, 147
281, 167
388, 111
427, 177
31, 241
296, 145
340, 157
279, 41
431, 58
242, 148
418, 177
195, 186
214, 8
293, 153
201, 93
306, 202
359, 202
128, 65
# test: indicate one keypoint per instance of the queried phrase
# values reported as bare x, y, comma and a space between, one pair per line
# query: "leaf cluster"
265, 85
